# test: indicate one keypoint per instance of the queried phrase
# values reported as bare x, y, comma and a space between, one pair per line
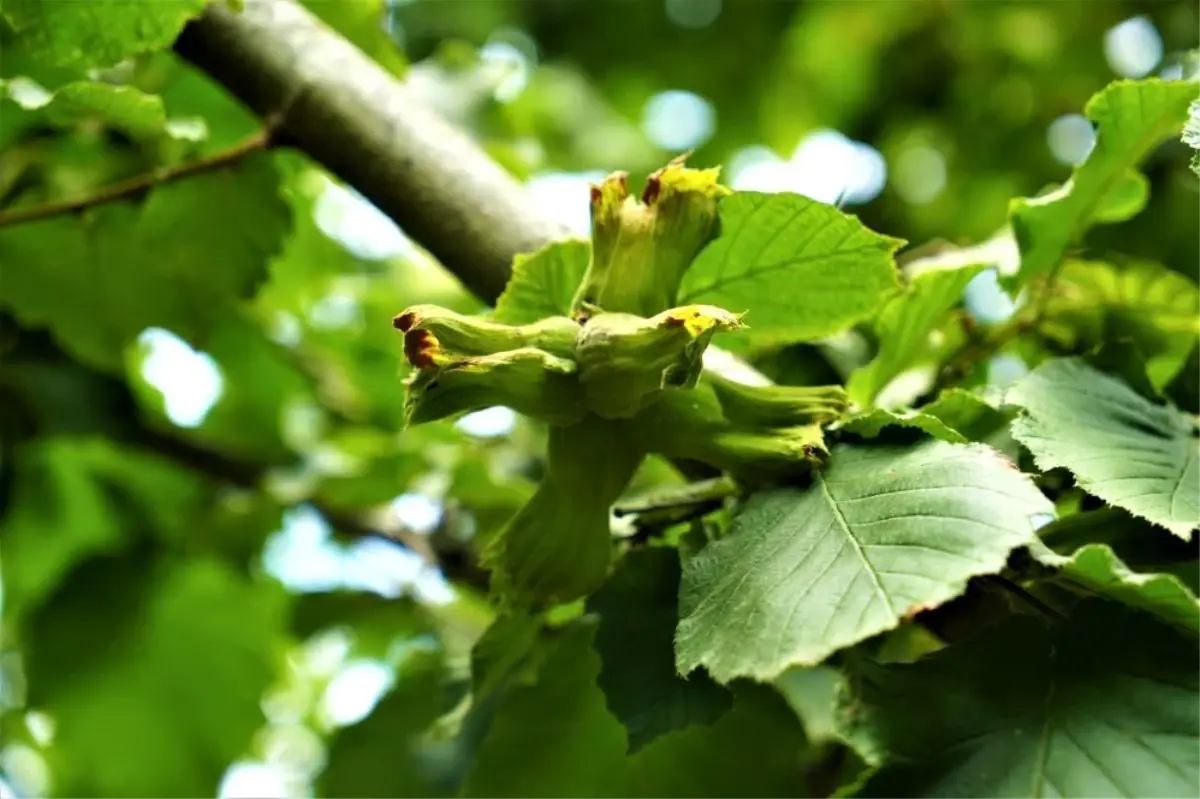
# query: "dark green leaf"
638, 609
1105, 704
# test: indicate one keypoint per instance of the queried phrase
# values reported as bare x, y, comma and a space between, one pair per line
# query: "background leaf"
179, 261
1120, 446
130, 650
1154, 308
883, 533
801, 268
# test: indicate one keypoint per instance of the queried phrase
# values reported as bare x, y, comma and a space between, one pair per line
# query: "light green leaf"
1125, 199
1096, 568
1133, 117
884, 532
122, 107
1191, 133
1103, 704
1120, 446
801, 269
180, 261
153, 672
638, 609
543, 283
97, 33
554, 738
871, 423
1154, 308
905, 323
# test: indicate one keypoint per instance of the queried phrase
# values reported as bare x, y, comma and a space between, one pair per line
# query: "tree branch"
363, 125
127, 188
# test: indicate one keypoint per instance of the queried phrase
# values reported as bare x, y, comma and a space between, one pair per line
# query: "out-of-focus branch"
362, 124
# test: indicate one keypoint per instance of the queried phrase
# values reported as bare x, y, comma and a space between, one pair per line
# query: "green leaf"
871, 423
388, 753
883, 533
1096, 568
153, 672
905, 323
68, 503
801, 269
638, 609
1104, 704
179, 261
754, 750
97, 33
1191, 133
543, 283
1125, 199
555, 738
122, 107
365, 24
1154, 308
1121, 447
1133, 117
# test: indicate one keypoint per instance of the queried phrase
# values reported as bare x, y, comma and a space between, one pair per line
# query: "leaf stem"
257, 142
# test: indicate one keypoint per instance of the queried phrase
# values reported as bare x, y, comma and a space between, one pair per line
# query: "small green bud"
640, 250
779, 406
474, 335
531, 382
626, 360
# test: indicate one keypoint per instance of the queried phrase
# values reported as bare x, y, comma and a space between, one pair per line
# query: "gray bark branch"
363, 125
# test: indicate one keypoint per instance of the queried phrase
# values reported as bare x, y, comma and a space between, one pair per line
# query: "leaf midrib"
862, 556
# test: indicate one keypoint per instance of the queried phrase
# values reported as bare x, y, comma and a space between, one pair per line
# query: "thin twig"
257, 142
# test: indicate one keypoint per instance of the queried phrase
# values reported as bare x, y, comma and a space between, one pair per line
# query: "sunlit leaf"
178, 261
97, 33
1120, 446
1096, 568
904, 324
801, 269
1132, 117
543, 283
1103, 704
883, 533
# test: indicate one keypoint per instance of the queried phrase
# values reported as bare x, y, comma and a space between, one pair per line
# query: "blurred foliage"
196, 552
